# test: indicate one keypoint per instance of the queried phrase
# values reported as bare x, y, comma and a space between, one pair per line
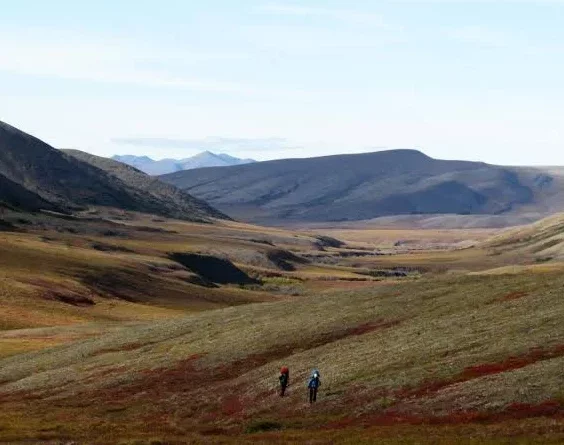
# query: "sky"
476, 80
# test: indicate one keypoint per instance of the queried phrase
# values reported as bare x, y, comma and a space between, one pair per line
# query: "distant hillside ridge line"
364, 186
163, 166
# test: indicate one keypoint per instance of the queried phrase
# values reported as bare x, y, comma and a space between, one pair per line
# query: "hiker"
313, 385
284, 380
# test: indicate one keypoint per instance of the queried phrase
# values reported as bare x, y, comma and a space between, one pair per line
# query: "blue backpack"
314, 381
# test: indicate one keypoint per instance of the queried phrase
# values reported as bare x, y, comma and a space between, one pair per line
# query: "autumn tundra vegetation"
122, 327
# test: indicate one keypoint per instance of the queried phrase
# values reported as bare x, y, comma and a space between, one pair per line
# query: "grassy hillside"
34, 175
364, 186
99, 273
412, 363
544, 239
109, 335
64, 270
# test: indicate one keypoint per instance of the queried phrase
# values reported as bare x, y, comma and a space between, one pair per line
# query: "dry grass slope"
408, 354
106, 338
544, 239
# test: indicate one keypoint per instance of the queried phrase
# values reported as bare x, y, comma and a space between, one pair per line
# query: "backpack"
284, 375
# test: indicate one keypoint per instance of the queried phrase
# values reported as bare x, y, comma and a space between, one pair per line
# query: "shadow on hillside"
6, 226
283, 259
213, 269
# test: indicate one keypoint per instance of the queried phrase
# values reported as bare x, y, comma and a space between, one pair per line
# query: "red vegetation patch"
511, 363
161, 380
207, 392
514, 411
68, 297
58, 292
513, 296
524, 410
231, 406
368, 327
473, 372
199, 396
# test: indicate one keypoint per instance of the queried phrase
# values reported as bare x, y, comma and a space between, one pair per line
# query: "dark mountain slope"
15, 196
31, 168
157, 193
54, 176
362, 186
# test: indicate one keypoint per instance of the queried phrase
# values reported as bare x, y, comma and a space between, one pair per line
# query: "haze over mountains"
163, 166
35, 176
365, 186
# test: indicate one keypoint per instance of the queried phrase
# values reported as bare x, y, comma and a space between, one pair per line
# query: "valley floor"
420, 339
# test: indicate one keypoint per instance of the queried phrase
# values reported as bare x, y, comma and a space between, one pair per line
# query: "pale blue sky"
479, 80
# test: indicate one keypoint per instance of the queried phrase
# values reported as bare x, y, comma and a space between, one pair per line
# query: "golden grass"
388, 237
520, 269
15, 346
542, 240
36, 271
132, 278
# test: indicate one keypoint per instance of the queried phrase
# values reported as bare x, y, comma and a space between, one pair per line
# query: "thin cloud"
112, 61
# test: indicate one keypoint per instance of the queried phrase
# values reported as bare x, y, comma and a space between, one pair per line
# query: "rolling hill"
543, 239
410, 363
35, 176
163, 166
371, 185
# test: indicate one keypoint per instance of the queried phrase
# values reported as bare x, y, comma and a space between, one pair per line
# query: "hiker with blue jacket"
313, 385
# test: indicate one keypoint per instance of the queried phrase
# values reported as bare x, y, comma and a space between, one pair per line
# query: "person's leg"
315, 395
282, 391
310, 395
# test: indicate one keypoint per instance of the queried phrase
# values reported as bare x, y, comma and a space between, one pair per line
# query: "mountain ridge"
170, 165
370, 185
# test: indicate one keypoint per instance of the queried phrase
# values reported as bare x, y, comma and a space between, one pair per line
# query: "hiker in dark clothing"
284, 380
313, 385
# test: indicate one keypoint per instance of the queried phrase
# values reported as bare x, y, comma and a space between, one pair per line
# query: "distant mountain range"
35, 176
371, 185
164, 166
